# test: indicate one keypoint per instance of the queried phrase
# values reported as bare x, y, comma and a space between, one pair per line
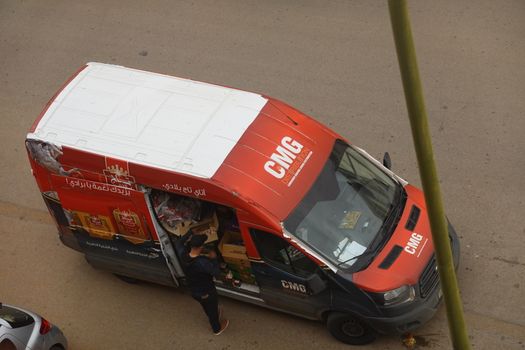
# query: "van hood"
406, 254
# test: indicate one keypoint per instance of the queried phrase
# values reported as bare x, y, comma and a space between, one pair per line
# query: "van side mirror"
315, 284
387, 162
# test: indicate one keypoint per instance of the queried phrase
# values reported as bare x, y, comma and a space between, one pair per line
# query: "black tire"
349, 329
127, 279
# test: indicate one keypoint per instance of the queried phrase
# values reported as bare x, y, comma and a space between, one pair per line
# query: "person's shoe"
224, 325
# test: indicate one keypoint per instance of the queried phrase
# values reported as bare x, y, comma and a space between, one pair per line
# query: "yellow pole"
422, 141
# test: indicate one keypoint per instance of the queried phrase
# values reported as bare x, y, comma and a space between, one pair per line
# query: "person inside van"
200, 272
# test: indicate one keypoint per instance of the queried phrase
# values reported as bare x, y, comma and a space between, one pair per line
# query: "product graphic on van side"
306, 223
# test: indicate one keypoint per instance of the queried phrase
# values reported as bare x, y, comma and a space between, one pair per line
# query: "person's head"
197, 241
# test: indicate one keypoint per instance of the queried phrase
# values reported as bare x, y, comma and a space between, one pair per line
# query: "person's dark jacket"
199, 270
199, 274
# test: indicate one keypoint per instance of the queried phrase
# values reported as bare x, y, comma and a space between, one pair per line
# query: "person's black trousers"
210, 304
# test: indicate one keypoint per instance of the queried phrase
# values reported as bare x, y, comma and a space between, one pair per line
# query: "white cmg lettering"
274, 170
413, 243
283, 157
291, 144
293, 286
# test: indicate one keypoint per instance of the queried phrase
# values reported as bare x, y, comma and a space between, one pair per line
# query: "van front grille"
429, 279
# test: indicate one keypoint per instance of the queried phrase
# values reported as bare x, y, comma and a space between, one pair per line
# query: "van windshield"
347, 210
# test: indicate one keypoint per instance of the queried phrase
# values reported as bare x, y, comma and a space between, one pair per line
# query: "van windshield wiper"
396, 208
367, 253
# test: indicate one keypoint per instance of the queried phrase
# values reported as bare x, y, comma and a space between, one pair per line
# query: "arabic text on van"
197, 192
94, 186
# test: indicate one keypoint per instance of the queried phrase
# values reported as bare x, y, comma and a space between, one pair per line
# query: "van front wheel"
349, 330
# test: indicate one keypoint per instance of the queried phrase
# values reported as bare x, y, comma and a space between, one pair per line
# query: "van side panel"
105, 169
143, 262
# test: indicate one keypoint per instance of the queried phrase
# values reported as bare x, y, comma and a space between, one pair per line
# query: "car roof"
148, 118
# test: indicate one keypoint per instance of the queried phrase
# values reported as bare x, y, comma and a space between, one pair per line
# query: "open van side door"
115, 229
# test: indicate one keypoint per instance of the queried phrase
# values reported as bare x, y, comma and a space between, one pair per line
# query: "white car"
22, 329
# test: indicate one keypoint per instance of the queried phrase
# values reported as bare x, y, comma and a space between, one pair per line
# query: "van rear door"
114, 228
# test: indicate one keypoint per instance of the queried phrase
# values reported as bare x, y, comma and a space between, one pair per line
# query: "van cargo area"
178, 215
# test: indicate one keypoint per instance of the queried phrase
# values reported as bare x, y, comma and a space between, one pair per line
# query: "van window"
282, 254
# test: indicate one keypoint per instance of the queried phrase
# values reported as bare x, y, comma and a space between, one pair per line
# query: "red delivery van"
129, 161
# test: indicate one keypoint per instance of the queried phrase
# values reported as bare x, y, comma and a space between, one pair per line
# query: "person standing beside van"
200, 271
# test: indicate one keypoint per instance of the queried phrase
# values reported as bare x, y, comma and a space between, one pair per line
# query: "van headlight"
396, 296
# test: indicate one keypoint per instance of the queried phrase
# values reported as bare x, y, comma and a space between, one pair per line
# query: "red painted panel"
117, 207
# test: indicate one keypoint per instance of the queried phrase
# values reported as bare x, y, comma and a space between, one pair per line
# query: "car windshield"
344, 213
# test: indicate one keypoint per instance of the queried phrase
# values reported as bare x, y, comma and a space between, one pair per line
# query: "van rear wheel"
349, 329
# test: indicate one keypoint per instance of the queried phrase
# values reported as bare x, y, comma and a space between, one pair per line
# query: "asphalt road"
333, 60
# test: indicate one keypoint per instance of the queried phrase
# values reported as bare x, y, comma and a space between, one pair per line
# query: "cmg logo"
283, 157
288, 160
297, 287
413, 244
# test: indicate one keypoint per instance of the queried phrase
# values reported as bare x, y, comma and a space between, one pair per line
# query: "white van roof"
158, 120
